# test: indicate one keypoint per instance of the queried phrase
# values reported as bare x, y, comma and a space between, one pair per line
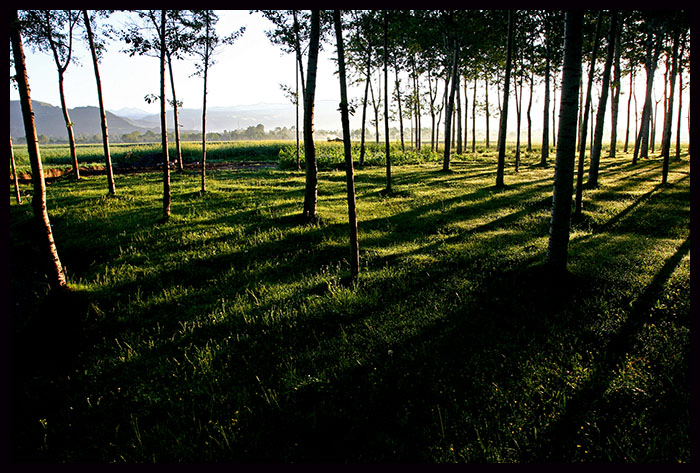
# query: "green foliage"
231, 332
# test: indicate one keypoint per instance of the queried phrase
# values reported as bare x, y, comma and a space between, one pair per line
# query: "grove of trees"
414, 64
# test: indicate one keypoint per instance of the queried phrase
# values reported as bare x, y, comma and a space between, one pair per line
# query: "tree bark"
642, 143
615, 89
680, 100
103, 117
311, 190
600, 116
349, 172
204, 104
398, 102
629, 107
486, 98
176, 119
474, 118
449, 104
559, 228
666, 140
386, 102
163, 123
57, 278
584, 120
364, 110
504, 113
545, 116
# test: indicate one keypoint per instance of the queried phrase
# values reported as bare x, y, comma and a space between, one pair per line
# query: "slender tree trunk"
474, 118
486, 98
69, 125
297, 51
666, 141
518, 115
559, 228
615, 90
386, 102
204, 106
504, 113
398, 102
311, 191
528, 114
364, 110
545, 116
103, 117
642, 142
680, 100
466, 112
652, 123
554, 111
349, 172
459, 116
629, 105
584, 123
449, 104
176, 114
164, 123
375, 106
18, 197
296, 103
57, 278
602, 103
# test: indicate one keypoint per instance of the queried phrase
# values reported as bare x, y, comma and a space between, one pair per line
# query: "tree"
349, 172
52, 31
453, 79
600, 116
615, 90
504, 113
103, 116
163, 123
311, 189
680, 96
386, 101
559, 228
655, 35
205, 46
584, 119
666, 140
57, 278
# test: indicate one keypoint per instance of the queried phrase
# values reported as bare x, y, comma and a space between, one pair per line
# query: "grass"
231, 332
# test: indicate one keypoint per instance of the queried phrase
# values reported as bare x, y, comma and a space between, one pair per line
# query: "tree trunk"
680, 100
57, 278
459, 116
297, 50
529, 109
296, 81
398, 102
545, 116
642, 142
615, 89
349, 172
311, 191
69, 125
629, 105
364, 110
18, 197
600, 116
518, 115
504, 113
466, 112
584, 119
103, 117
164, 123
449, 104
386, 102
204, 105
554, 111
666, 140
474, 118
486, 98
557, 250
176, 114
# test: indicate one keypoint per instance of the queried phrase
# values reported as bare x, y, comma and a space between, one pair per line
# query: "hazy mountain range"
49, 119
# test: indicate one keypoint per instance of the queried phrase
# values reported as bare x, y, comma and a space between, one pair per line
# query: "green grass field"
231, 333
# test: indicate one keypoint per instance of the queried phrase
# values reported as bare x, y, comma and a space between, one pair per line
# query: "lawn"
231, 333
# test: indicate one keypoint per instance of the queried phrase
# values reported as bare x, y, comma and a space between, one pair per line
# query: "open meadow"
232, 332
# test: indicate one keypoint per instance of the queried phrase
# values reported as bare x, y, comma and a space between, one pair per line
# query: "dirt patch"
52, 174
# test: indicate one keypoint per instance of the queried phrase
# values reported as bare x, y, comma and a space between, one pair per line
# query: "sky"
248, 72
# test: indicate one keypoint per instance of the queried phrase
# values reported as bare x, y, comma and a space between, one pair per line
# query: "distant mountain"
86, 121
49, 118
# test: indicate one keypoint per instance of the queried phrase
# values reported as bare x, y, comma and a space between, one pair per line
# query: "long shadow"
559, 443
